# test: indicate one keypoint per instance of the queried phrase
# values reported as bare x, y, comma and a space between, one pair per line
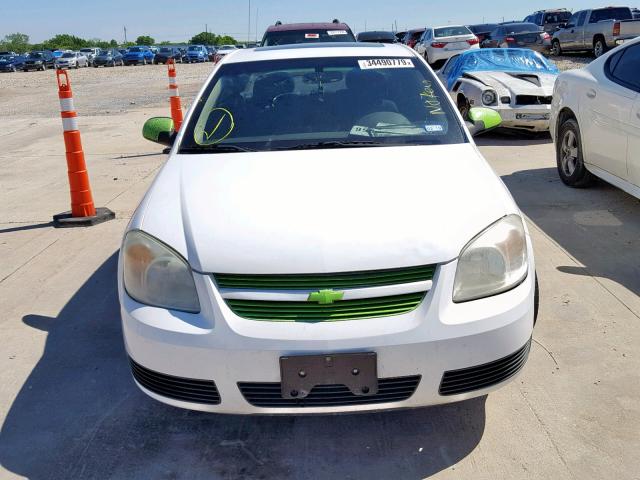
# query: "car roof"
448, 26
286, 27
315, 50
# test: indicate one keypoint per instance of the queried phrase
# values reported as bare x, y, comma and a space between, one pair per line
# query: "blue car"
138, 55
197, 53
11, 63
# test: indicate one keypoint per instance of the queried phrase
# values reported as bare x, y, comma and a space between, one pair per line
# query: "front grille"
374, 278
178, 388
533, 100
469, 379
268, 395
275, 311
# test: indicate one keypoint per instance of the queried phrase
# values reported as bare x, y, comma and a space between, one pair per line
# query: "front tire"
556, 49
569, 156
464, 107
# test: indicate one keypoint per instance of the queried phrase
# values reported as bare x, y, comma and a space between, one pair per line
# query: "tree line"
19, 42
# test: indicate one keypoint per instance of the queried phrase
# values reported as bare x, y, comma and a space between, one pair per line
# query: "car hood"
323, 210
521, 83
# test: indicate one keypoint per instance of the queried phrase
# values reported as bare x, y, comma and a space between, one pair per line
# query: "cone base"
66, 220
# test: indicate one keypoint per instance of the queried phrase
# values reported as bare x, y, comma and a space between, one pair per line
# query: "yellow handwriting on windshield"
223, 124
430, 99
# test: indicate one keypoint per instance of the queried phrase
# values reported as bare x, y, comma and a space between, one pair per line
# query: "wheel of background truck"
463, 107
44, 67
599, 47
569, 156
144, 61
77, 65
556, 49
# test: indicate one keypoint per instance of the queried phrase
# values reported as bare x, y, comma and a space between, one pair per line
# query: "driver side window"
573, 21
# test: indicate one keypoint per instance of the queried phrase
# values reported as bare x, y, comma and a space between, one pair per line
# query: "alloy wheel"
569, 153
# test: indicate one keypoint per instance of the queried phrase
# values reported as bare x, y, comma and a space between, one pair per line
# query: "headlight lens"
156, 275
493, 262
489, 97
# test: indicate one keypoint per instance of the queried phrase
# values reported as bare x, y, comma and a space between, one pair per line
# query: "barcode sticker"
385, 63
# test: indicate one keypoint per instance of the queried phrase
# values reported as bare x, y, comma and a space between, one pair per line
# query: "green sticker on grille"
325, 297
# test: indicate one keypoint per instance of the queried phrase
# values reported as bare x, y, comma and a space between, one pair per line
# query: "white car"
324, 237
595, 121
71, 60
441, 43
515, 82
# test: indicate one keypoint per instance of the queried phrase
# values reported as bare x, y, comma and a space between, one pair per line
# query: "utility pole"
125, 34
249, 31
206, 28
257, 12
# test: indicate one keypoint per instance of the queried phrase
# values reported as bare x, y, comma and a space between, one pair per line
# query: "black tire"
463, 107
599, 47
556, 49
44, 67
536, 301
569, 156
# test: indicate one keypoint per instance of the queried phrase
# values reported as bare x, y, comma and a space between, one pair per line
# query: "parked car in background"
39, 60
400, 36
197, 53
412, 36
376, 37
519, 35
108, 57
154, 49
223, 51
595, 121
549, 20
211, 53
597, 30
416, 299
482, 30
12, 63
635, 12
300, 33
517, 83
138, 55
122, 51
71, 60
90, 53
441, 43
167, 53
5, 53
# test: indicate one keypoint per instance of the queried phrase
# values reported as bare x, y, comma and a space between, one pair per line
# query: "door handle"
591, 93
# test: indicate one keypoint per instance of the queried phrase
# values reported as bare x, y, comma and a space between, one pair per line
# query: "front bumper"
438, 337
533, 118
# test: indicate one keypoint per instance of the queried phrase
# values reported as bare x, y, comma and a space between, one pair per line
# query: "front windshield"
36, 55
311, 35
135, 49
194, 48
68, 55
165, 50
321, 102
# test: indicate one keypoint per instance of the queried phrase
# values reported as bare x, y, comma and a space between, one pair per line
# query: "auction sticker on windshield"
385, 63
311, 35
337, 32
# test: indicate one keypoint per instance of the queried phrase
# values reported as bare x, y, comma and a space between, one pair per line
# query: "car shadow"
506, 137
599, 226
79, 415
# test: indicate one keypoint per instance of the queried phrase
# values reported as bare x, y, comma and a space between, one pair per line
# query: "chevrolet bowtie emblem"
325, 297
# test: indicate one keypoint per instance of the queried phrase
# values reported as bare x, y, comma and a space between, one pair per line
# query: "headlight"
493, 262
489, 97
156, 275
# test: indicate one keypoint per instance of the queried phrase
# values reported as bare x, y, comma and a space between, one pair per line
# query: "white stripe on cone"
69, 124
175, 93
172, 80
66, 105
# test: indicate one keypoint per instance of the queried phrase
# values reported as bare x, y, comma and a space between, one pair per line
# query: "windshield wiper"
217, 148
337, 144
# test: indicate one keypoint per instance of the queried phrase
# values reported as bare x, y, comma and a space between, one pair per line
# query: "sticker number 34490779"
385, 63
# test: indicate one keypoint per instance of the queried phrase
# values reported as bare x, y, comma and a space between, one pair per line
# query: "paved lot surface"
69, 408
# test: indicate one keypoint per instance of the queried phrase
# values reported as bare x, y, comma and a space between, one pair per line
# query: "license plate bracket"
357, 371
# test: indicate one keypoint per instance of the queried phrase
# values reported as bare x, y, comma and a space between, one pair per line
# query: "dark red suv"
300, 33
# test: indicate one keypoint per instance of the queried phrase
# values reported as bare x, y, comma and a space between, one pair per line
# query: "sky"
179, 20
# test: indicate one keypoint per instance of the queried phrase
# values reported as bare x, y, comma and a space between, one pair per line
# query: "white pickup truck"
598, 30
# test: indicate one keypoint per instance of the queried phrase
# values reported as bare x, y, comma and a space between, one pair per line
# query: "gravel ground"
99, 91
111, 91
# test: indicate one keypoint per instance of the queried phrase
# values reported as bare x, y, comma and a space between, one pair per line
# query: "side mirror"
159, 130
482, 120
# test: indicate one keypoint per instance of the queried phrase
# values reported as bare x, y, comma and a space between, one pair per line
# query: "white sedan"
324, 237
441, 43
595, 121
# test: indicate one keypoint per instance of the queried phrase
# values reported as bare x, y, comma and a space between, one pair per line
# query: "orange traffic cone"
83, 212
176, 106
